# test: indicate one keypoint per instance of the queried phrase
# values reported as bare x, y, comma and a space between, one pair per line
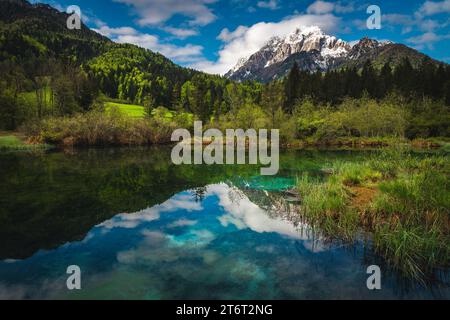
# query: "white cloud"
226, 36
360, 24
112, 32
430, 8
180, 32
182, 223
132, 220
269, 4
408, 23
107, 31
244, 41
322, 7
186, 53
153, 12
427, 40
396, 18
241, 212
429, 25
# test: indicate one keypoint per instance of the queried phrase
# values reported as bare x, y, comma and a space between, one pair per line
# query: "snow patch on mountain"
278, 49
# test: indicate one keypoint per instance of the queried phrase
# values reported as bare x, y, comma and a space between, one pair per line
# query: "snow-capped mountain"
303, 40
313, 50
307, 40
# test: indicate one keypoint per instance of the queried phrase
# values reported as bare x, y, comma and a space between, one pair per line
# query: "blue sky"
211, 35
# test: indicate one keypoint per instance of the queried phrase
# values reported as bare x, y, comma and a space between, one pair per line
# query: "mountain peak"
306, 31
305, 39
367, 42
313, 50
303, 33
366, 46
310, 30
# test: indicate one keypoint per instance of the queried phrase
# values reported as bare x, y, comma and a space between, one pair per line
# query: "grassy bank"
402, 201
12, 142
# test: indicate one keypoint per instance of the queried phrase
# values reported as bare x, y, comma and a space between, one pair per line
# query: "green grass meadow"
131, 110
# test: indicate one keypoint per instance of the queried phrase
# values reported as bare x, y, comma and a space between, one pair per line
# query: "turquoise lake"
140, 227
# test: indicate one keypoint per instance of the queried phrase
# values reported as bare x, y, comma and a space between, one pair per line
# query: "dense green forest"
49, 70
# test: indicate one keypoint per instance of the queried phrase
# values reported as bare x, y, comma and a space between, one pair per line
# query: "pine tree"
385, 80
404, 78
272, 100
369, 78
353, 85
149, 105
292, 88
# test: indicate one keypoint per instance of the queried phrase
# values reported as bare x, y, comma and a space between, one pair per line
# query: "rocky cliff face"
319, 49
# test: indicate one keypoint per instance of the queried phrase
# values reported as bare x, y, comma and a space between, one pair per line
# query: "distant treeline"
428, 80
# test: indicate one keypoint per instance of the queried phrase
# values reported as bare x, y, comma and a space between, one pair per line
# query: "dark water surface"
142, 228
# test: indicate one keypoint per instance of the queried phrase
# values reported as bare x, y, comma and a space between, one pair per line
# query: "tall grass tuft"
325, 204
408, 214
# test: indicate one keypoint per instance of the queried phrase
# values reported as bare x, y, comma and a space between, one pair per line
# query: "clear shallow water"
141, 228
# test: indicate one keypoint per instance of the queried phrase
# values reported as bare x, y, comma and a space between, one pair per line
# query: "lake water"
142, 228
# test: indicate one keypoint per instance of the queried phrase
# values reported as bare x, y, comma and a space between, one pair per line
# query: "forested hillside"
66, 70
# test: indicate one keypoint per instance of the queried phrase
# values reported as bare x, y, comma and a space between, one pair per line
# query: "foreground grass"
402, 201
14, 143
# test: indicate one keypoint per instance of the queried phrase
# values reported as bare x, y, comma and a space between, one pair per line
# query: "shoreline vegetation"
356, 123
18, 141
399, 201
115, 129
13, 141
